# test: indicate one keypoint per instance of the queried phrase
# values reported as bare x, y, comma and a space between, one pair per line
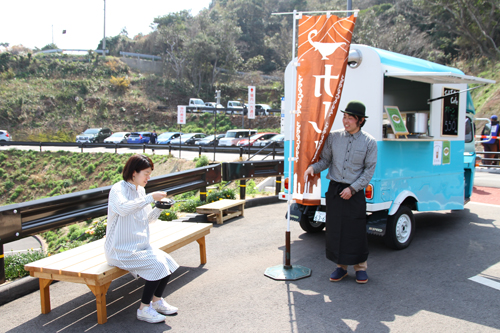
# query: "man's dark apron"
346, 241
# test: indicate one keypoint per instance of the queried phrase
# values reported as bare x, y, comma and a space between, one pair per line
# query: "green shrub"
90, 168
189, 206
225, 193
201, 162
16, 193
97, 229
168, 215
8, 185
14, 264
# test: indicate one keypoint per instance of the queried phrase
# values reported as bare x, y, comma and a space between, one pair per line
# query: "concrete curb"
26, 285
18, 288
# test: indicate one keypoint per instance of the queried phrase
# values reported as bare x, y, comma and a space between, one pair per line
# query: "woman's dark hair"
136, 163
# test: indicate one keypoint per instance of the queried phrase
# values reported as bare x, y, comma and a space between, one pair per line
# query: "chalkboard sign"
450, 112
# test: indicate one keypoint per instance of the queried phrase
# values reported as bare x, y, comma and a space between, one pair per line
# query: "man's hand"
309, 172
346, 194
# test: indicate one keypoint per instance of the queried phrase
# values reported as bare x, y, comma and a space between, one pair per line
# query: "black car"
209, 140
191, 138
94, 135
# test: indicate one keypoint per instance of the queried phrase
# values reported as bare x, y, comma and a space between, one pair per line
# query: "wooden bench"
87, 263
219, 211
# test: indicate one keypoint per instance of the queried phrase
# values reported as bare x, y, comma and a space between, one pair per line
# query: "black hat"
355, 108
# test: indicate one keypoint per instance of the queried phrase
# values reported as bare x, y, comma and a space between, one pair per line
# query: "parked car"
234, 136
256, 138
278, 139
139, 137
241, 108
94, 135
167, 137
191, 138
213, 105
196, 103
262, 109
210, 140
118, 137
5, 136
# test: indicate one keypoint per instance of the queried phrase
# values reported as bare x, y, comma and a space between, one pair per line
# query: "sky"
36, 23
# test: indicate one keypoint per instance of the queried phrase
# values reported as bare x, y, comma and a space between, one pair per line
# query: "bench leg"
45, 294
203, 250
100, 298
220, 218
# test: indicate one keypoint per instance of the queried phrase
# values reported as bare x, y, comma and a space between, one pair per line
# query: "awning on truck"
439, 77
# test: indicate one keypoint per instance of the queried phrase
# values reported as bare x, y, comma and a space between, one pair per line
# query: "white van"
234, 136
195, 104
235, 105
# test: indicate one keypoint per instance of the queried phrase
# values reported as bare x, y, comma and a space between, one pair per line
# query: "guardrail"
489, 162
69, 50
153, 147
18, 221
139, 55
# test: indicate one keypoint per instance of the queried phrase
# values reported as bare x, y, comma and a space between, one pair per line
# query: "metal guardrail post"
243, 186
169, 149
116, 148
81, 148
199, 151
278, 186
2, 265
144, 148
203, 193
40, 147
241, 153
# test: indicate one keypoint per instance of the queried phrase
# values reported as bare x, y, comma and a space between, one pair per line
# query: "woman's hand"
159, 195
309, 172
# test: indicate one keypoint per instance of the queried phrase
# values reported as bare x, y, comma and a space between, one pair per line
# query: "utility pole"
349, 7
104, 39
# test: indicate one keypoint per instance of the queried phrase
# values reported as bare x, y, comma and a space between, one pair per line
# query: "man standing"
350, 155
492, 144
154, 136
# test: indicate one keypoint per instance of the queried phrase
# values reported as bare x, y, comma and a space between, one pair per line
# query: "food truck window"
468, 130
406, 95
450, 112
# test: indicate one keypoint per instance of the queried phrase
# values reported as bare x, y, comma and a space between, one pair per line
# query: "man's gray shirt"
351, 159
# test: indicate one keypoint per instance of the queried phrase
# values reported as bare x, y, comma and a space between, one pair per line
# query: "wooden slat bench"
87, 264
220, 210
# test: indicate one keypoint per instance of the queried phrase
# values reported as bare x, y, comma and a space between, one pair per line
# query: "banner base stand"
287, 273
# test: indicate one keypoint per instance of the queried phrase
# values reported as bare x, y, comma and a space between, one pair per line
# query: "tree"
474, 23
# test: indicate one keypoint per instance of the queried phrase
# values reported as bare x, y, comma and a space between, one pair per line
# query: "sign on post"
181, 114
251, 102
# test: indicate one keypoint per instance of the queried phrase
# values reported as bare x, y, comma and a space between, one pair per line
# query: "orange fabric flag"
322, 57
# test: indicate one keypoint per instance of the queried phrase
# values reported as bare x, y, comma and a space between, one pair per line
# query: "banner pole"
287, 272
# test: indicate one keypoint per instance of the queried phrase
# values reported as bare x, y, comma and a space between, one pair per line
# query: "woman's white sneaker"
150, 315
163, 307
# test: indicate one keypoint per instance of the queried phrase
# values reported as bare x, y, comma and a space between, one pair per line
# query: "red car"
255, 138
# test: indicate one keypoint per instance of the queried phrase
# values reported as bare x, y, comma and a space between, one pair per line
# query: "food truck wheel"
309, 225
400, 228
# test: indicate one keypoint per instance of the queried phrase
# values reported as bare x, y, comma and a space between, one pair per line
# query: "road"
189, 155
424, 288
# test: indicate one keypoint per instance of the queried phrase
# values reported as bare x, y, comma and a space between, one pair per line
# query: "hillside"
30, 175
54, 98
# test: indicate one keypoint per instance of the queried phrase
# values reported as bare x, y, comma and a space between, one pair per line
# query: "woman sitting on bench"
127, 237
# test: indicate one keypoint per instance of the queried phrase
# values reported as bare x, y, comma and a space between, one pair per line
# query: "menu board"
397, 123
450, 112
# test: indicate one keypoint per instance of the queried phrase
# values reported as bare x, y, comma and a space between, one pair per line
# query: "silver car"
5, 136
118, 137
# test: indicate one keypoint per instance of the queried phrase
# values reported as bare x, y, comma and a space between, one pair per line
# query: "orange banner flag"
322, 59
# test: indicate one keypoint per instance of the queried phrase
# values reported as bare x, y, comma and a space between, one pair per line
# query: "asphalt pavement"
424, 288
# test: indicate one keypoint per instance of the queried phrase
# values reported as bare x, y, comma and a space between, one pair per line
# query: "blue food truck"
422, 116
